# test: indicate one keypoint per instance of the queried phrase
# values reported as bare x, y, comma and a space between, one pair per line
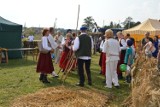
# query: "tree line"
126, 24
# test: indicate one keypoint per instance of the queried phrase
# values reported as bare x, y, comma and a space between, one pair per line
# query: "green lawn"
18, 78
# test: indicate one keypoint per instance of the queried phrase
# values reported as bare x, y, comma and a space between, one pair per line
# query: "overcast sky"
44, 12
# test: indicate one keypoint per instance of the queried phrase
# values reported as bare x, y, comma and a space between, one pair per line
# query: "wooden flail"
69, 66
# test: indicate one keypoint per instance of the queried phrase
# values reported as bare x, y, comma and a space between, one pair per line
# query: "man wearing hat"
83, 45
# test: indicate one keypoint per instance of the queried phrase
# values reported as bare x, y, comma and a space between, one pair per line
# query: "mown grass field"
19, 77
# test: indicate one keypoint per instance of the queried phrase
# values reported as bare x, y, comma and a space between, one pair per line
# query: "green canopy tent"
10, 37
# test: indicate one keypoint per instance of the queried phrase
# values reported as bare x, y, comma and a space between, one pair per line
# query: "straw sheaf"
63, 97
145, 84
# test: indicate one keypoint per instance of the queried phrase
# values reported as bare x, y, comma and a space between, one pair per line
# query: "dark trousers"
87, 63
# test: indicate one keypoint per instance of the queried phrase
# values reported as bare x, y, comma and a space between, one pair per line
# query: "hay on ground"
63, 97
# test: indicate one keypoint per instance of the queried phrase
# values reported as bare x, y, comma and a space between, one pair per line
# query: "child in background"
149, 48
129, 57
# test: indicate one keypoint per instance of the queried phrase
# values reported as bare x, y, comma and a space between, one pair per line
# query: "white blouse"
45, 43
124, 44
104, 48
101, 45
112, 49
51, 40
59, 39
149, 47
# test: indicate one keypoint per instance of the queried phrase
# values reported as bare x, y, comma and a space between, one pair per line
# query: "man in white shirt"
83, 45
53, 44
112, 49
30, 38
57, 52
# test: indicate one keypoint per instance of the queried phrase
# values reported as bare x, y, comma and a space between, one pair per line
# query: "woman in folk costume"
45, 65
101, 53
74, 35
57, 52
104, 57
123, 46
149, 48
66, 54
112, 50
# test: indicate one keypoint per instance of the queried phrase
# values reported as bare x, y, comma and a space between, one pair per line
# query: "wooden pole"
55, 22
78, 17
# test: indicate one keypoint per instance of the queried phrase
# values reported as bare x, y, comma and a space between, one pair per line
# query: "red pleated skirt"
100, 59
103, 63
45, 64
64, 61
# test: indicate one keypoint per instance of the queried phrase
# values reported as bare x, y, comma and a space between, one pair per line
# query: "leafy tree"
137, 23
111, 24
107, 27
129, 23
132, 24
89, 22
118, 26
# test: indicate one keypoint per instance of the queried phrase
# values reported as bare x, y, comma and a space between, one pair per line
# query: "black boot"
120, 77
90, 83
128, 79
63, 70
41, 77
45, 80
100, 72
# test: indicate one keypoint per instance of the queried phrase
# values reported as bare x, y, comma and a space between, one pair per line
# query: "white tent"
150, 25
